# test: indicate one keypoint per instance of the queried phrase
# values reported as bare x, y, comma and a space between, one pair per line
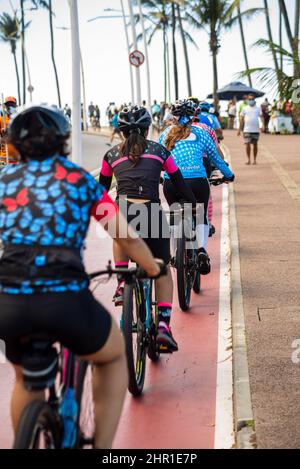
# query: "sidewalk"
268, 215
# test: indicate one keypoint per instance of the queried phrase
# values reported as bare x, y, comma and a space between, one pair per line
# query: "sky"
105, 54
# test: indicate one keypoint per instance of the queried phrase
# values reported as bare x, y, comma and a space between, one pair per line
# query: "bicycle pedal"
164, 349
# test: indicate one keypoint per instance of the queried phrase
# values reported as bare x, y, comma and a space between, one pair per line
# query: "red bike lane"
178, 406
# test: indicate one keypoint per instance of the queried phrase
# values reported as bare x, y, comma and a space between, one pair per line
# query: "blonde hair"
176, 133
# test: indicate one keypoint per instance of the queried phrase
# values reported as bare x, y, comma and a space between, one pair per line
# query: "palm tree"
271, 79
293, 40
160, 17
270, 36
48, 6
10, 33
243, 40
184, 37
23, 49
212, 16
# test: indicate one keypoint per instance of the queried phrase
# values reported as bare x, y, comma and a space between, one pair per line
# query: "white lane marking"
224, 424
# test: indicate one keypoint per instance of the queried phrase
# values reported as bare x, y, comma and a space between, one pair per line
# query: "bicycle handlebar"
129, 274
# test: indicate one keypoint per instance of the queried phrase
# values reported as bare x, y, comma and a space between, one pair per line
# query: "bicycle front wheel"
39, 428
134, 331
185, 276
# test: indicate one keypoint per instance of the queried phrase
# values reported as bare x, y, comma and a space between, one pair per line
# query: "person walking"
266, 115
250, 126
231, 114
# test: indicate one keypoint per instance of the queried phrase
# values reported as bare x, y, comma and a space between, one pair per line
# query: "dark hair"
43, 144
134, 145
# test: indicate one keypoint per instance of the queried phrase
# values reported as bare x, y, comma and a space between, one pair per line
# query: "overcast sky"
105, 54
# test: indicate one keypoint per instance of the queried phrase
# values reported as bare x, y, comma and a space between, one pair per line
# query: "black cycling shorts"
200, 188
153, 227
76, 320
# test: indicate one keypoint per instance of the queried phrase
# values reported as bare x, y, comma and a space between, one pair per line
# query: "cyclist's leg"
121, 262
110, 382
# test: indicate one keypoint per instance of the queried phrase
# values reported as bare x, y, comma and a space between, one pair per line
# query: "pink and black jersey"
141, 180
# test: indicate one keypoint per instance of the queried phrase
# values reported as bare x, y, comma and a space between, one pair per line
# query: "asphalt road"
94, 149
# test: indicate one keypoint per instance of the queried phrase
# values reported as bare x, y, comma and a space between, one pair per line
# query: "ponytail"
134, 145
176, 133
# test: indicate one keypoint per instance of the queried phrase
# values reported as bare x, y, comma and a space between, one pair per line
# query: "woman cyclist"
188, 144
137, 164
46, 203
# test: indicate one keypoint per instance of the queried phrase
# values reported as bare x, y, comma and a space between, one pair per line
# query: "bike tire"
136, 358
86, 409
197, 283
153, 352
184, 284
37, 416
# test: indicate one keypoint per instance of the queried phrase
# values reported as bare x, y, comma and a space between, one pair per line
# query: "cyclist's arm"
178, 181
106, 174
214, 157
107, 213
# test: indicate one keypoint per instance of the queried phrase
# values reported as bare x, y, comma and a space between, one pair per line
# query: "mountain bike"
66, 418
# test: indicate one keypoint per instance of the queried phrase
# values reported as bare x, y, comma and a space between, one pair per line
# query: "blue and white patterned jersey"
188, 154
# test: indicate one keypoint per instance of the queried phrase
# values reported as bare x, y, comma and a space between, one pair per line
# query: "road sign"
136, 58
30, 89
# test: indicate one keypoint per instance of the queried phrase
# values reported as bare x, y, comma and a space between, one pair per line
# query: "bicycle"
186, 261
66, 418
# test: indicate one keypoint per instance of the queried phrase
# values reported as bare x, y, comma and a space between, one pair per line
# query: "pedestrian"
249, 124
115, 129
91, 110
231, 114
98, 115
266, 114
155, 110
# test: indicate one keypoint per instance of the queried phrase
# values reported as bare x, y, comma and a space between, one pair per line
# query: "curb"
243, 412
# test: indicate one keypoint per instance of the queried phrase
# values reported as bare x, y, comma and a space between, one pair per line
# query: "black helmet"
184, 108
134, 117
47, 117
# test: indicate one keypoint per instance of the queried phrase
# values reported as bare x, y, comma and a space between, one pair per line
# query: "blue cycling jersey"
188, 154
210, 120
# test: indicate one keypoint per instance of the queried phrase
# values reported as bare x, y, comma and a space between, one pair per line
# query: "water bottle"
69, 414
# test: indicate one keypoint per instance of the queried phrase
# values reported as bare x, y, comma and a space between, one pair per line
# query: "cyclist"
188, 144
208, 118
46, 203
136, 165
7, 151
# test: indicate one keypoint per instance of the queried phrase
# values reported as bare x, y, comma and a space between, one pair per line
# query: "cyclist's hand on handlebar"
228, 180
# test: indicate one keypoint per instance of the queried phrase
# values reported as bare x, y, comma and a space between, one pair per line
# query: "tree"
212, 16
23, 49
271, 79
270, 36
293, 40
184, 37
174, 51
159, 15
48, 6
10, 33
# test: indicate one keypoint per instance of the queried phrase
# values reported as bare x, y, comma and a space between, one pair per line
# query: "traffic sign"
136, 58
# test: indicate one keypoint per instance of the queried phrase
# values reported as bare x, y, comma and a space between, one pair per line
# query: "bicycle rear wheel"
39, 428
86, 409
185, 276
134, 331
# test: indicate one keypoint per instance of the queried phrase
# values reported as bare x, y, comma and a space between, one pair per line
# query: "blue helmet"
204, 106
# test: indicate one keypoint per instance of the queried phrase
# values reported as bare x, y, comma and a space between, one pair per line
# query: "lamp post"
146, 54
76, 107
137, 71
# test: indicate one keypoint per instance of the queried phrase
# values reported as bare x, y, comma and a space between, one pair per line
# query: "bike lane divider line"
224, 430
244, 424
